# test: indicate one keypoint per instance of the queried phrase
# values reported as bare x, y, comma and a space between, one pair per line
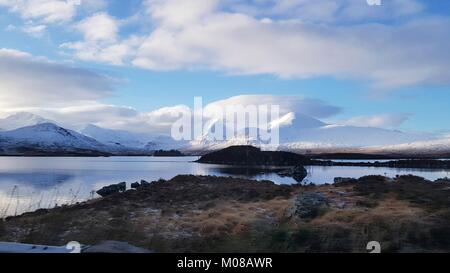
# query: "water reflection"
40, 180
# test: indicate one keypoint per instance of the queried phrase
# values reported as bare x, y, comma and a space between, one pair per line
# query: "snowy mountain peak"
21, 119
49, 137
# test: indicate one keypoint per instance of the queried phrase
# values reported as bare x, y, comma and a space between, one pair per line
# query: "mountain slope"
351, 136
121, 141
21, 119
300, 133
432, 147
117, 138
48, 138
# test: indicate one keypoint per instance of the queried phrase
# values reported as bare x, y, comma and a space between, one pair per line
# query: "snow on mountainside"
351, 136
117, 138
164, 142
123, 141
300, 133
438, 146
47, 137
21, 119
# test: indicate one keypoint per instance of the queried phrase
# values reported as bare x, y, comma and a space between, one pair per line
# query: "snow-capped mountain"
117, 138
351, 136
21, 119
299, 133
47, 137
124, 141
164, 142
433, 147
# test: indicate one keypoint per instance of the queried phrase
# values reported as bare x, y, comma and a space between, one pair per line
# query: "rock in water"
112, 189
298, 173
309, 205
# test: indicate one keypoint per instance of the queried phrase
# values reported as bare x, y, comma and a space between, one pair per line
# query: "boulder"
444, 180
309, 205
344, 181
112, 189
298, 173
135, 185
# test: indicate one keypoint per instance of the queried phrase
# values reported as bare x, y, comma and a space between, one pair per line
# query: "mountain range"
28, 134
48, 138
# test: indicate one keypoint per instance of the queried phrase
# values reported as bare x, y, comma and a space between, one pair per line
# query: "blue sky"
388, 62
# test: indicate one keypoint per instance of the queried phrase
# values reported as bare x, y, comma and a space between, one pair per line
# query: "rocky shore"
221, 214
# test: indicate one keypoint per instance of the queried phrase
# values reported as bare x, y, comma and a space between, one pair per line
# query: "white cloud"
29, 28
115, 53
28, 81
110, 116
179, 13
212, 34
10, 27
49, 11
329, 11
287, 104
381, 121
40, 13
75, 111
99, 27
100, 32
242, 44
36, 31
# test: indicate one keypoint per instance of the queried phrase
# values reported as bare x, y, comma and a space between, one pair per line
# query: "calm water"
29, 183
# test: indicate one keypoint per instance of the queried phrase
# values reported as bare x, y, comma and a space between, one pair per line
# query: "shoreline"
223, 214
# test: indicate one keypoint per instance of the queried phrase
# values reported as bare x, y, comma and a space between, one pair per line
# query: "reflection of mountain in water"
247, 171
38, 180
244, 171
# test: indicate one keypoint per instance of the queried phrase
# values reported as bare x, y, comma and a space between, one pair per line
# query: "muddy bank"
219, 214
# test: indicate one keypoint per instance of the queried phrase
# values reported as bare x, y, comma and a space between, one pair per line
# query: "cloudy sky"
131, 64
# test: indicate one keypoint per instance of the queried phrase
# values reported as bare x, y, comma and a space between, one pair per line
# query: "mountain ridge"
48, 138
298, 133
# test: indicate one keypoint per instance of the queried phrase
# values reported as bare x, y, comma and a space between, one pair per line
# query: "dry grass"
207, 214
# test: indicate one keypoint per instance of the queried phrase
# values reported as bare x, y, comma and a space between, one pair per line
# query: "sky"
132, 64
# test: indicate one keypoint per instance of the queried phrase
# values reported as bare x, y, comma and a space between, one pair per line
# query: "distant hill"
26, 133
163, 153
118, 139
48, 139
252, 156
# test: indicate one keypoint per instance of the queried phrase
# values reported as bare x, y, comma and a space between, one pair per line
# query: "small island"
253, 156
285, 164
164, 153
